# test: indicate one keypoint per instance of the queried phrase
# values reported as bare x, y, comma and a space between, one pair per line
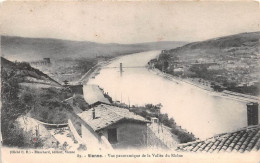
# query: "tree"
183, 137
165, 56
12, 108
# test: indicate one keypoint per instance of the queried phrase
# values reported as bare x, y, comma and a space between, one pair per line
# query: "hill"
230, 62
240, 44
28, 91
26, 49
24, 73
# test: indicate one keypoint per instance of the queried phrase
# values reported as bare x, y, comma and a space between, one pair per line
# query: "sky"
128, 22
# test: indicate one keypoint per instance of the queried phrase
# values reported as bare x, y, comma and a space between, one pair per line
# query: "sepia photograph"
131, 81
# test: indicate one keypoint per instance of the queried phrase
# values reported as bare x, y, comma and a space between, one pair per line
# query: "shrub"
183, 137
12, 136
150, 110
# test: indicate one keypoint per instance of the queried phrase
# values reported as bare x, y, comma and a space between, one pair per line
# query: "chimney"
252, 113
93, 114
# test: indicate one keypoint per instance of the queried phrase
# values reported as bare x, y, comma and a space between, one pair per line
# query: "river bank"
226, 94
207, 89
94, 71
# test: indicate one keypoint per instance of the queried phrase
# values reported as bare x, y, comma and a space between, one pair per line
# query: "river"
194, 109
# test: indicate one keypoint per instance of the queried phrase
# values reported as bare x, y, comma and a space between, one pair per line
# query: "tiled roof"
93, 94
243, 140
107, 115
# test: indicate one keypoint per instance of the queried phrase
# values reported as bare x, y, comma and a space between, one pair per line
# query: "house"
47, 60
94, 95
154, 120
242, 140
120, 127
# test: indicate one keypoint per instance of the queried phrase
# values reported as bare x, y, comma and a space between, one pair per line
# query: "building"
47, 60
252, 114
243, 140
44, 62
154, 120
122, 128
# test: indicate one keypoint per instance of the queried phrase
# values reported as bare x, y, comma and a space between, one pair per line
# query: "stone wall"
153, 141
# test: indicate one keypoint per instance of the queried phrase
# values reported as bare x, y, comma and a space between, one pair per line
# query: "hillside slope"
44, 103
25, 49
25, 73
230, 62
240, 44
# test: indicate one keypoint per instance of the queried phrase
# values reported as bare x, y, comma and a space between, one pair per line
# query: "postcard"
130, 81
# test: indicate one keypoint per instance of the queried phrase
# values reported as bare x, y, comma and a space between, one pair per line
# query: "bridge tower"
121, 69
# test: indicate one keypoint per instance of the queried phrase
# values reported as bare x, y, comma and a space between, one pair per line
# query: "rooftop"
93, 94
107, 115
243, 140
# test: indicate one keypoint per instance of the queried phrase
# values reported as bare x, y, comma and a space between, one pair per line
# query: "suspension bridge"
120, 67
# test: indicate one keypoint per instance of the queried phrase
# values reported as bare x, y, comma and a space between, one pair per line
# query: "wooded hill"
230, 62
